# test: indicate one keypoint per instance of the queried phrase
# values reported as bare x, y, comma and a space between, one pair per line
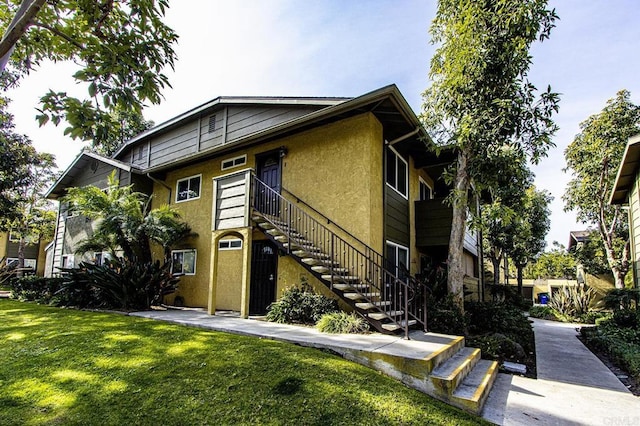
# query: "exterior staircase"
357, 275
438, 365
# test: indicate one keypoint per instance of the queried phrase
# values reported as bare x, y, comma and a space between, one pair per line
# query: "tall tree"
555, 263
593, 158
531, 229
120, 47
17, 156
481, 99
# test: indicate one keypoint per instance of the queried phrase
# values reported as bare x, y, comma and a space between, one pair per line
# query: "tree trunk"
520, 269
495, 261
619, 269
455, 259
18, 26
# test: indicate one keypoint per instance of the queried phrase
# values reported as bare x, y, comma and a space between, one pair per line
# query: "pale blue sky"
348, 48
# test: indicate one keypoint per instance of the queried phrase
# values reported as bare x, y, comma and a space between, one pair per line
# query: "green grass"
73, 367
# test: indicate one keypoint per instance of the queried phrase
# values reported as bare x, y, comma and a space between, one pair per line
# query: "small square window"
230, 244
234, 162
188, 189
101, 258
14, 238
68, 261
183, 262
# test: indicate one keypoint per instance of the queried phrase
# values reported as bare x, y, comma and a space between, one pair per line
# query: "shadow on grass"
74, 367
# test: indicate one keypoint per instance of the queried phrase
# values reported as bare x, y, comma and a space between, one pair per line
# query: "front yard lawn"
60, 366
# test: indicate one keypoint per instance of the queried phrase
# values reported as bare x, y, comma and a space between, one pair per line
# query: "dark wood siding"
433, 223
396, 217
30, 250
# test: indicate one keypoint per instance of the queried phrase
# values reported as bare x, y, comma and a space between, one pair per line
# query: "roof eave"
627, 170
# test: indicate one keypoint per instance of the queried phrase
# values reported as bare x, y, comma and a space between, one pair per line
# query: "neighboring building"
341, 192
626, 191
34, 253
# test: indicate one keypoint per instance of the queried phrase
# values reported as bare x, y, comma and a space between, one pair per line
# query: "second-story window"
426, 193
397, 171
188, 188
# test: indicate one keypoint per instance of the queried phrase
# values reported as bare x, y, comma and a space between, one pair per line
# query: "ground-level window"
233, 244
28, 263
397, 172
183, 262
188, 188
68, 261
397, 259
100, 258
426, 193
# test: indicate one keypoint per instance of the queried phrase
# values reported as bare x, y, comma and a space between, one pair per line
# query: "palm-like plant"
124, 221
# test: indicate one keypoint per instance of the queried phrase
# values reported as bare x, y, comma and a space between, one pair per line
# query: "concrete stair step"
395, 327
472, 393
365, 306
358, 296
309, 248
340, 278
315, 261
452, 372
304, 254
379, 316
321, 269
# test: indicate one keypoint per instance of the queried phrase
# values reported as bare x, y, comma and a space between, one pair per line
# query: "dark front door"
269, 173
264, 264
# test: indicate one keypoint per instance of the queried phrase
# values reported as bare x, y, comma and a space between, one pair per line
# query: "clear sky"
351, 47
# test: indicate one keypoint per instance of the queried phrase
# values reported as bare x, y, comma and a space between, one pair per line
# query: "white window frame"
230, 244
101, 256
68, 261
189, 188
423, 182
12, 238
397, 246
28, 263
406, 178
238, 161
195, 261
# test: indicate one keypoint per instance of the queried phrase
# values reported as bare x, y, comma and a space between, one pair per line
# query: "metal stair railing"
338, 261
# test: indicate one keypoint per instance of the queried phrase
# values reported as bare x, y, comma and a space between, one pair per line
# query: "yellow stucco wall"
4, 237
229, 284
336, 168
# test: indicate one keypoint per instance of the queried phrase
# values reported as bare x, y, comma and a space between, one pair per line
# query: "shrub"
444, 316
592, 317
622, 298
488, 318
342, 323
625, 318
543, 312
120, 284
622, 344
300, 305
34, 288
572, 301
497, 346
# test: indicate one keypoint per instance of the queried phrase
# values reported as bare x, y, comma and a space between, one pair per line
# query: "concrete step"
379, 316
472, 393
304, 254
340, 278
452, 372
365, 306
358, 296
395, 327
321, 269
313, 261
309, 248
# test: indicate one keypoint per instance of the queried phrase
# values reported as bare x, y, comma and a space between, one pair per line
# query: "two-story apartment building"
341, 192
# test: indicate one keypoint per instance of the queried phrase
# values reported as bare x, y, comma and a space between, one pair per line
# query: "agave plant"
572, 301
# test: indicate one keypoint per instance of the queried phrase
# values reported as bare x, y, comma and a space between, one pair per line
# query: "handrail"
341, 262
329, 221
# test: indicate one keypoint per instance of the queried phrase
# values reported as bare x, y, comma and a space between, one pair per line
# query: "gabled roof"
81, 162
627, 172
387, 104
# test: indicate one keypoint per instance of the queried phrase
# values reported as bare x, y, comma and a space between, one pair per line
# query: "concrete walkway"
573, 388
